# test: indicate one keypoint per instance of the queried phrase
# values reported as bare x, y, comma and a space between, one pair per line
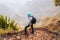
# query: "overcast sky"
20, 7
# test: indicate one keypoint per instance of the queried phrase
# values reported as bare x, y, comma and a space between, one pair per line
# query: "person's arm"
29, 19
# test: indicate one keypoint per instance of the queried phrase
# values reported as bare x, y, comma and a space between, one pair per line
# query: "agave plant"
6, 22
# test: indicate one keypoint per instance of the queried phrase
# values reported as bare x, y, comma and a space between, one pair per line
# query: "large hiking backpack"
33, 20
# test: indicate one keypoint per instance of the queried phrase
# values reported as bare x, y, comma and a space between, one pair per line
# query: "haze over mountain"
4, 10
38, 8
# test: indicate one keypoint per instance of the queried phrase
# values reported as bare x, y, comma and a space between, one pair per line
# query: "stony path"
40, 34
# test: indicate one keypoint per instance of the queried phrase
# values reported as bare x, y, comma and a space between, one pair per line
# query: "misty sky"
20, 7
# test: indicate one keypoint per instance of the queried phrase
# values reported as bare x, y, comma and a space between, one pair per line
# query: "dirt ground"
40, 34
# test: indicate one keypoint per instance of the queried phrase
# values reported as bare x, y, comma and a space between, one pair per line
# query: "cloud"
11, 5
20, 7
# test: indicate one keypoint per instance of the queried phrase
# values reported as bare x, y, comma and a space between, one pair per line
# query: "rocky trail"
40, 34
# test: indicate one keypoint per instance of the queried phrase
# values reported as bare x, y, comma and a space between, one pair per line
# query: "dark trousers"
32, 29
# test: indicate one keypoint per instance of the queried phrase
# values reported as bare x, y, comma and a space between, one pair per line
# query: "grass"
5, 31
7, 24
56, 31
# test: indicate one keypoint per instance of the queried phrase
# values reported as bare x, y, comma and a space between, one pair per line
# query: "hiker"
32, 20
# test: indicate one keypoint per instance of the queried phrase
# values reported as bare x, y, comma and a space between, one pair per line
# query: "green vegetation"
6, 24
57, 31
57, 2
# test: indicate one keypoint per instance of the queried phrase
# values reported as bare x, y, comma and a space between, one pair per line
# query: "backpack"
33, 21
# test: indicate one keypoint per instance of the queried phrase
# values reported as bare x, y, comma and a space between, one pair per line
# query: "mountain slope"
40, 34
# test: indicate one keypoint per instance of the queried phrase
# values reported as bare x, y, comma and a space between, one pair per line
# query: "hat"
28, 14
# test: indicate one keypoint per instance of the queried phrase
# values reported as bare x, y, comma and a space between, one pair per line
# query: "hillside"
40, 34
50, 30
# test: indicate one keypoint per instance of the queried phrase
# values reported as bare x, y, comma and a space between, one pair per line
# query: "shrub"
6, 22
